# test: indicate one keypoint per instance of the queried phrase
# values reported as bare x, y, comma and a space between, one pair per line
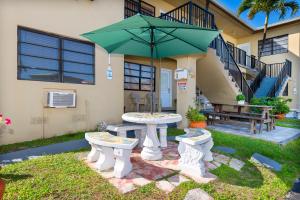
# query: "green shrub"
193, 115
240, 97
280, 105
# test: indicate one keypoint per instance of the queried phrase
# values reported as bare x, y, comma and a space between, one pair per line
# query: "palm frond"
293, 5
245, 5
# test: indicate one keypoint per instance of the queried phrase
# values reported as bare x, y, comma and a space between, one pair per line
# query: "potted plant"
240, 98
279, 104
281, 107
196, 119
3, 122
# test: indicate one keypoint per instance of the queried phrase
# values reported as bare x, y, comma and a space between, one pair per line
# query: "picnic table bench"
111, 151
253, 118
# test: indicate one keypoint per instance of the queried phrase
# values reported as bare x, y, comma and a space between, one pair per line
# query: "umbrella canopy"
152, 37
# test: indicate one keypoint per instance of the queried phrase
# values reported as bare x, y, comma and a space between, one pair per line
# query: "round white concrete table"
151, 149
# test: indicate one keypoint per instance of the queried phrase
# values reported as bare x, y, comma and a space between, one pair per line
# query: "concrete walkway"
280, 135
21, 155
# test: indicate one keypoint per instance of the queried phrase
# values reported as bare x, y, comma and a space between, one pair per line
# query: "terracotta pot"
280, 116
2, 187
201, 124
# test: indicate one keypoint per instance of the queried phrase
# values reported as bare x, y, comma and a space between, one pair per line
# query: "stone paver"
217, 164
177, 179
123, 185
137, 179
281, 135
265, 161
221, 158
107, 174
144, 172
236, 164
292, 196
165, 186
211, 165
206, 179
224, 149
296, 186
197, 194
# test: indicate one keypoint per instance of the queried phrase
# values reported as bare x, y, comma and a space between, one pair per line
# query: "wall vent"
61, 99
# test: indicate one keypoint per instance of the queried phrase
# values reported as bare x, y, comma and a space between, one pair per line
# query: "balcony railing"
133, 7
243, 59
193, 14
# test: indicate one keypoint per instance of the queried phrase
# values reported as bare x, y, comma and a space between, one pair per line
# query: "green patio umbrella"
152, 37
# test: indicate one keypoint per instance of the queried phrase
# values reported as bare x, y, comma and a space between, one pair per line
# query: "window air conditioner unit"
61, 99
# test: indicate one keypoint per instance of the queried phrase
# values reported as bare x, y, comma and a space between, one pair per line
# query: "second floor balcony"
191, 13
133, 7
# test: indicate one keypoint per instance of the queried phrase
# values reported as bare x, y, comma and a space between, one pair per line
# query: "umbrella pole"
152, 78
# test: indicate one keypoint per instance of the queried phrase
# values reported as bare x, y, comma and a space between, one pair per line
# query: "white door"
166, 88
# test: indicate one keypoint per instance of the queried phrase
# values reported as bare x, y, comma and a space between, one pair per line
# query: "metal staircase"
271, 79
191, 13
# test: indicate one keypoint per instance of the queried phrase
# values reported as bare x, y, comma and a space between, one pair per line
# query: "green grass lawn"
63, 176
40, 142
289, 123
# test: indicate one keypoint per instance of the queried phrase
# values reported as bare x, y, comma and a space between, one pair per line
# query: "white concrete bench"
194, 148
111, 151
121, 129
140, 132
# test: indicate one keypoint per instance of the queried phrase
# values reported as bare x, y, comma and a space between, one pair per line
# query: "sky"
259, 19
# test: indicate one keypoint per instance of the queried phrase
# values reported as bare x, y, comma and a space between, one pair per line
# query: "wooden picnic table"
263, 118
218, 107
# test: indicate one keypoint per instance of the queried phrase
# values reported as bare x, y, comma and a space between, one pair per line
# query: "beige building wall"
293, 31
24, 101
160, 6
214, 81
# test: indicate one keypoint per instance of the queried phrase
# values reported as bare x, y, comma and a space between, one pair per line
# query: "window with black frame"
275, 45
53, 58
138, 77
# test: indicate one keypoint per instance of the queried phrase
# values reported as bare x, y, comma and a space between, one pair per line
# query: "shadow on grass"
14, 177
249, 175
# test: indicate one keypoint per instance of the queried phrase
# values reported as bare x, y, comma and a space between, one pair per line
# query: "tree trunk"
264, 37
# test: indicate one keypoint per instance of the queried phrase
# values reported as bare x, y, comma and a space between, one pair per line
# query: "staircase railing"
284, 73
258, 79
191, 13
273, 70
243, 59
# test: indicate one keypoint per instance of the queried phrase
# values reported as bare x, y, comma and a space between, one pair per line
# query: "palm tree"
267, 7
